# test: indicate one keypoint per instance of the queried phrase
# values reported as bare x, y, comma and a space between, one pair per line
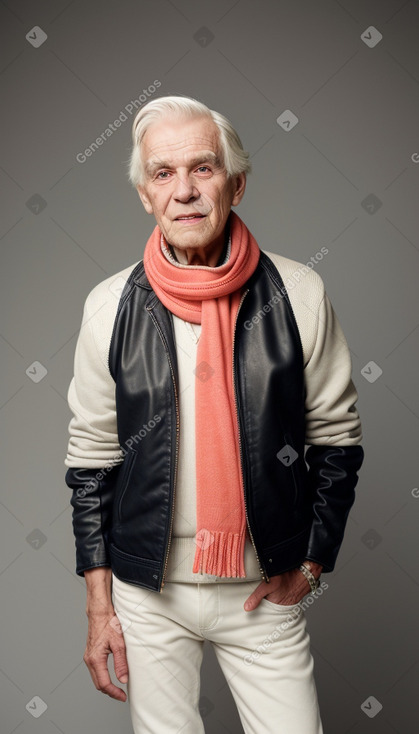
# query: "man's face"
186, 185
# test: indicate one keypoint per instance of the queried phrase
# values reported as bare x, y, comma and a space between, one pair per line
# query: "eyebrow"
154, 165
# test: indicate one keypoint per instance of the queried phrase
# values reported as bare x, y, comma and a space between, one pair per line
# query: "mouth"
190, 218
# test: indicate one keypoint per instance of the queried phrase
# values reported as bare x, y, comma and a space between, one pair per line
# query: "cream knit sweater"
331, 415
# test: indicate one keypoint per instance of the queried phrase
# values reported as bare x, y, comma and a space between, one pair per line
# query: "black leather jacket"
294, 509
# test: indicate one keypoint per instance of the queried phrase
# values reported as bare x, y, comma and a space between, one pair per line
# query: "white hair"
235, 159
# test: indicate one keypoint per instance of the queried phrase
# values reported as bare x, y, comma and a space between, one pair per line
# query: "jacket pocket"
125, 478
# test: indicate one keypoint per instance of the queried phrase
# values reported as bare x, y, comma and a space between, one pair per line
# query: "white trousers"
264, 655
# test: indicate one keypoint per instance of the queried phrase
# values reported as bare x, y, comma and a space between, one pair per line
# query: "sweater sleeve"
333, 428
93, 439
332, 423
94, 455
331, 415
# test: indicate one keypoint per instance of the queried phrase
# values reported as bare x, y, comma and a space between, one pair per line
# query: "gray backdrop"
344, 177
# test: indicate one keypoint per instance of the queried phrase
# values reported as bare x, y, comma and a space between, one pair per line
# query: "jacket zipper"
177, 441
265, 576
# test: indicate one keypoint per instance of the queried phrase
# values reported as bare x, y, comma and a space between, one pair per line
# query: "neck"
197, 257
211, 256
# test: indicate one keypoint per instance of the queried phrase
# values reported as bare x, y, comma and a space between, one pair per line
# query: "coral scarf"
211, 297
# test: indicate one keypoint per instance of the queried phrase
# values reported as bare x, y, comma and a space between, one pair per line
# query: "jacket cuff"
332, 479
92, 501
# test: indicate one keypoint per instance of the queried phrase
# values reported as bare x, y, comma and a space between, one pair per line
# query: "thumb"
251, 603
120, 663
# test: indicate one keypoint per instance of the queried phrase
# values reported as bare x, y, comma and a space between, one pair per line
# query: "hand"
285, 588
104, 634
105, 637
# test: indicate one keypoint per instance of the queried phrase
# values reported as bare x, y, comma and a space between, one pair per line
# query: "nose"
185, 189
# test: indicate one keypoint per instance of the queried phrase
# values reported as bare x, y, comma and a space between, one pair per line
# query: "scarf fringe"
219, 553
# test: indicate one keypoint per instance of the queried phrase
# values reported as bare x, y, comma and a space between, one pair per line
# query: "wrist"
99, 590
98, 577
100, 609
315, 568
311, 571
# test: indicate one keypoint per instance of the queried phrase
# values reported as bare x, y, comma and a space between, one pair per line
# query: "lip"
192, 218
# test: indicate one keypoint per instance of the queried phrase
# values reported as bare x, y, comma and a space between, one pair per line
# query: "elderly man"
214, 447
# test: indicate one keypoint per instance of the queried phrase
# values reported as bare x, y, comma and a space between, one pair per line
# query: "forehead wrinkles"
184, 148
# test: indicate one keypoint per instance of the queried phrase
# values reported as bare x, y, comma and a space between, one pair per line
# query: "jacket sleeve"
333, 433
94, 455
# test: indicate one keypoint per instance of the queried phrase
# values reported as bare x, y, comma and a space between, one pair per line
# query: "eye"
203, 169
162, 174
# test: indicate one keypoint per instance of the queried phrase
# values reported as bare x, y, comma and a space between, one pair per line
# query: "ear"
144, 198
239, 183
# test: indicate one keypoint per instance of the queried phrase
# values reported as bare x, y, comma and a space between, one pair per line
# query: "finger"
106, 685
117, 645
252, 601
100, 675
260, 592
120, 660
92, 674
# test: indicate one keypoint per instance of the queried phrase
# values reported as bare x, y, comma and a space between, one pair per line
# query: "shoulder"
101, 306
306, 290
107, 293
300, 279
